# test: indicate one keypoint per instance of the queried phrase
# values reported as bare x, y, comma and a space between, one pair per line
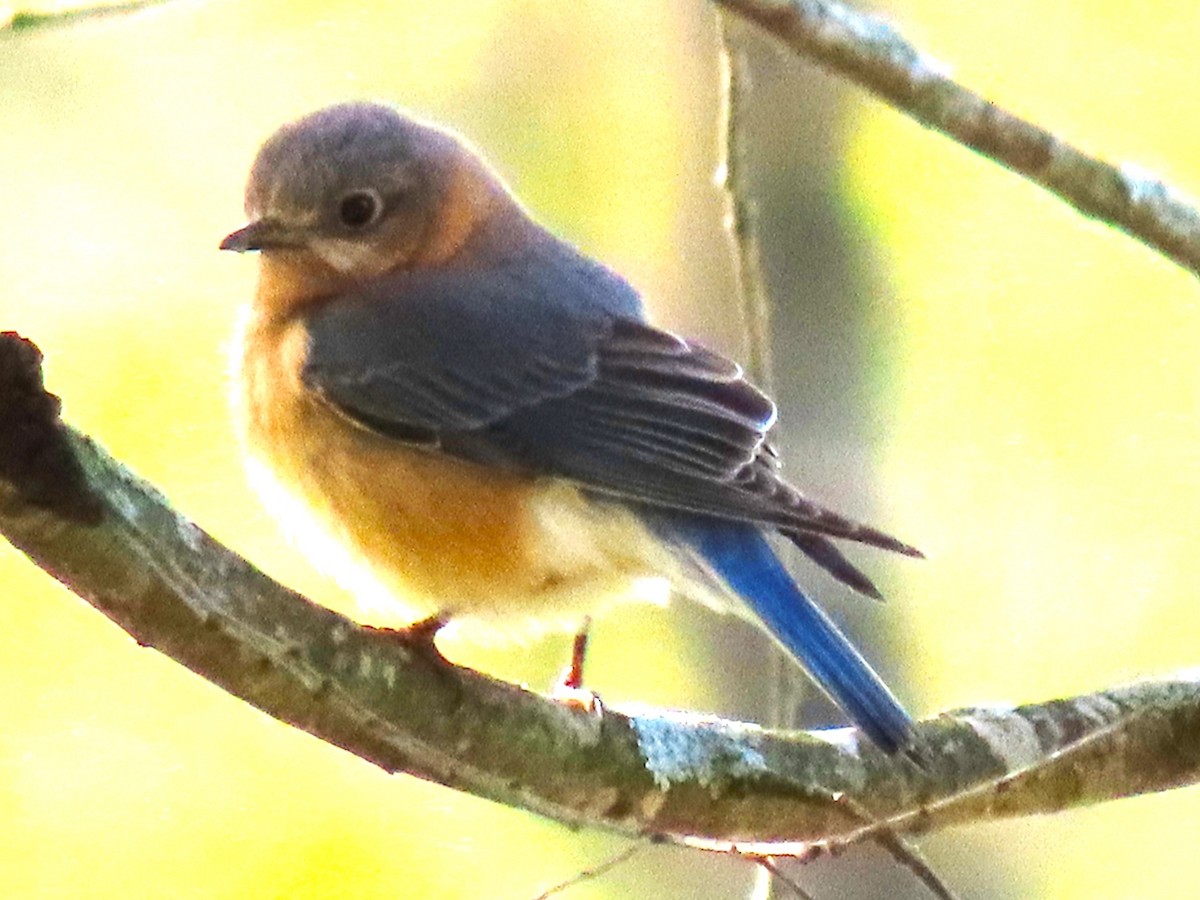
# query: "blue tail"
742, 557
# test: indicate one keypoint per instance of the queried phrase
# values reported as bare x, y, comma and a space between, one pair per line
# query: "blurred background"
960, 359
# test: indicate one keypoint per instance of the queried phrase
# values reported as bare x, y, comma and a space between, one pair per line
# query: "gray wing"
539, 369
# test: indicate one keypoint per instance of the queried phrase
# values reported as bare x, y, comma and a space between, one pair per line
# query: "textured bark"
114, 541
871, 53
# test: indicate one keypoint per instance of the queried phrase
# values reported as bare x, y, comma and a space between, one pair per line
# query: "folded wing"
533, 371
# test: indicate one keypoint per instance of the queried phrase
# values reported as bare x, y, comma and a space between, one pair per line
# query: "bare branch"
18, 21
988, 791
115, 541
907, 855
756, 314
872, 53
741, 216
601, 868
768, 865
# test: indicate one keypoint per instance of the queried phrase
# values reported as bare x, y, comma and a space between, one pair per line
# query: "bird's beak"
261, 234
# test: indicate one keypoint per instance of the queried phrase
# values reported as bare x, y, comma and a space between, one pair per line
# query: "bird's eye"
359, 208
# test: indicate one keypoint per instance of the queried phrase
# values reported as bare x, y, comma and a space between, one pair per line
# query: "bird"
482, 417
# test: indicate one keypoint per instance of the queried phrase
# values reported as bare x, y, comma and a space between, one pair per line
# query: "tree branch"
116, 542
872, 54
784, 688
18, 21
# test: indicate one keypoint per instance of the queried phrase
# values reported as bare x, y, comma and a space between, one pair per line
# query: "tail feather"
741, 557
823, 552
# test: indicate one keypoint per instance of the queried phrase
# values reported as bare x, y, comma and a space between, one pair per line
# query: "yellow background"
1034, 406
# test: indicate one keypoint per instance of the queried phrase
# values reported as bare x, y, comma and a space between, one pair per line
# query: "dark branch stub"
35, 455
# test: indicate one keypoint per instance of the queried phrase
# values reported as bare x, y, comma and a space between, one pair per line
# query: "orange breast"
448, 535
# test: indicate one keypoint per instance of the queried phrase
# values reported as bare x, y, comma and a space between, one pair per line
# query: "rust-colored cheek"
467, 199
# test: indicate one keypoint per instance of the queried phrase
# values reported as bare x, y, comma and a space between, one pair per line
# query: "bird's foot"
568, 687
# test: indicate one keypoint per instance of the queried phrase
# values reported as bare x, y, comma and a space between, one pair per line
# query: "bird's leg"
568, 687
572, 675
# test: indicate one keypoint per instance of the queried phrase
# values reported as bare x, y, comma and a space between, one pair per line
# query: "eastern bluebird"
484, 417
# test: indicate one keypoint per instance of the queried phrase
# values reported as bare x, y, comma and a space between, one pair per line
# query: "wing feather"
510, 369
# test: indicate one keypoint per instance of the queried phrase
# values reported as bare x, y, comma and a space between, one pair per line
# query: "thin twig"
902, 851
595, 871
906, 854
993, 786
767, 864
27, 20
873, 54
754, 300
756, 314
741, 214
742, 227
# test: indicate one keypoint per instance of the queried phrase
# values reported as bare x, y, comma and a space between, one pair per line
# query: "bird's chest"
439, 531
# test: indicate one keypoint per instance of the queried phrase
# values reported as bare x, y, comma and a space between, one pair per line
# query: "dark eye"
359, 208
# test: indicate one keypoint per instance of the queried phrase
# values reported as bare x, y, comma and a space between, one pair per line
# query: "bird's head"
363, 189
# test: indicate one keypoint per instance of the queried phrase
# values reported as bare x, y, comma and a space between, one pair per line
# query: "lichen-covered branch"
873, 54
114, 541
